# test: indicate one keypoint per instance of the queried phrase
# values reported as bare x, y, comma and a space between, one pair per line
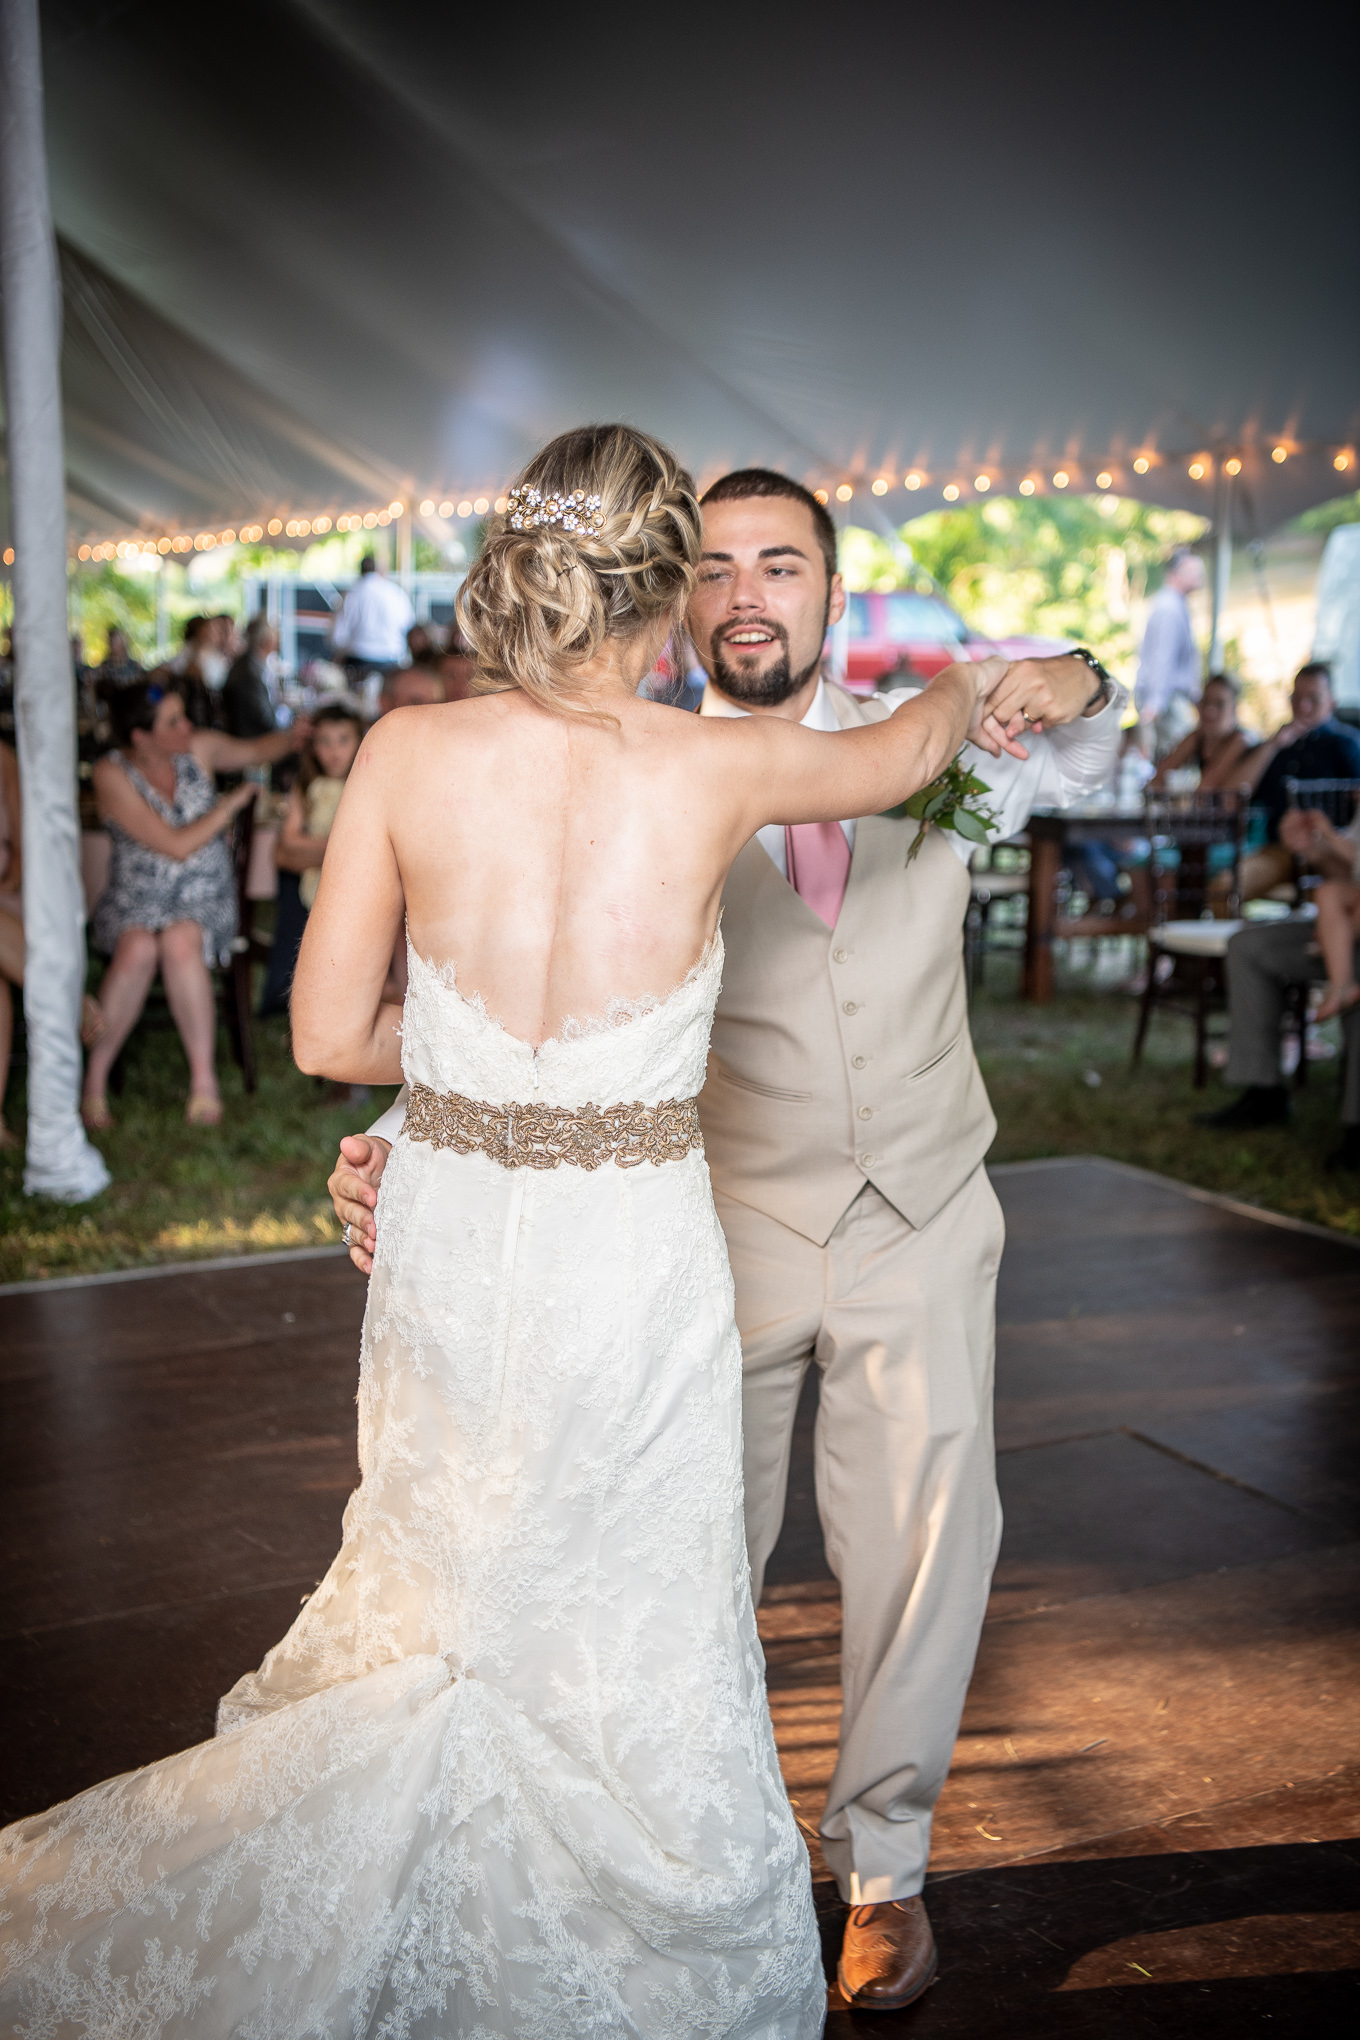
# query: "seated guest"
1217, 748
170, 903
12, 931
1311, 745
1264, 959
337, 731
190, 666
1338, 930
247, 705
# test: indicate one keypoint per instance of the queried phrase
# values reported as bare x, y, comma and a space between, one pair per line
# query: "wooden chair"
1337, 799
1187, 942
990, 883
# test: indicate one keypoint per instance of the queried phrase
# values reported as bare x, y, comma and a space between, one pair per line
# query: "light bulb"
481, 506
465, 508
1104, 479
1279, 453
395, 509
951, 492
1061, 479
820, 494
1141, 465
879, 487
1342, 462
84, 553
1027, 487
982, 484
913, 480
1196, 470
502, 504
844, 493
275, 526
446, 509
370, 520
427, 508
1232, 467
9, 555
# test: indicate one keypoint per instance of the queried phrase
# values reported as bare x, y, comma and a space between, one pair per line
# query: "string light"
97, 552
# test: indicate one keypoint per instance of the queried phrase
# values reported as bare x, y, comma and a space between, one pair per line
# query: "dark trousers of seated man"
1263, 960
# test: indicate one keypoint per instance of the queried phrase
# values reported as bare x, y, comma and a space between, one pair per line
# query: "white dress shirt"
1169, 662
373, 621
1064, 765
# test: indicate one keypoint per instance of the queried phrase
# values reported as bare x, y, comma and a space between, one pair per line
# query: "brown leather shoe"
888, 1956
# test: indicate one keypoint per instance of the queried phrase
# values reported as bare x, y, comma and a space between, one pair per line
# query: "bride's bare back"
558, 863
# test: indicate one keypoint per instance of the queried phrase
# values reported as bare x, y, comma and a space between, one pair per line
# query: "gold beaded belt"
546, 1136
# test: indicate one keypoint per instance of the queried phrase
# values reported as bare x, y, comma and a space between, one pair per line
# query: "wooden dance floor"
1150, 1827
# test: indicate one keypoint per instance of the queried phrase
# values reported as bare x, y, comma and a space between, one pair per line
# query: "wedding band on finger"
347, 1235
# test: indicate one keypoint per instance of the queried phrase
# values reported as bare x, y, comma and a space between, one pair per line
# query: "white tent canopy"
340, 252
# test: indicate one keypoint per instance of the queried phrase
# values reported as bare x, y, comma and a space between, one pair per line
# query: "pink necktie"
819, 865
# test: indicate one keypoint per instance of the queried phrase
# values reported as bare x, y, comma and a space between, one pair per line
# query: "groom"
845, 1123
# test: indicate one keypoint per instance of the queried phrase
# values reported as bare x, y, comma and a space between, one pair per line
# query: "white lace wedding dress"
511, 1771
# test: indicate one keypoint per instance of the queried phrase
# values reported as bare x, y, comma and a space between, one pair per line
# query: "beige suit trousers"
902, 1325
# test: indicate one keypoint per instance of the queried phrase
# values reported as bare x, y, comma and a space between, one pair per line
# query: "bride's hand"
985, 730
353, 1185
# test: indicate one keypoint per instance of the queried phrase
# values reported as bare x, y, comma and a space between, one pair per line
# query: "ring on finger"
347, 1235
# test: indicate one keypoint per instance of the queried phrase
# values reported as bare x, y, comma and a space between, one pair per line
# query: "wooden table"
1050, 831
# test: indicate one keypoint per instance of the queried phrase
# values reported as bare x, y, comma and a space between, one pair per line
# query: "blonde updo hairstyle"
539, 602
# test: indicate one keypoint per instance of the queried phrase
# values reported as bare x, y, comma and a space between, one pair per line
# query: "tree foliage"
1063, 567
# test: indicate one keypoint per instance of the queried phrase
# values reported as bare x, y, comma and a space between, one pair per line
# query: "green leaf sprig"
953, 801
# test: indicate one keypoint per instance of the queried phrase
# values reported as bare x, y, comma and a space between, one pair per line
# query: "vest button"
867, 1161
849, 1007
841, 955
866, 1111
859, 1061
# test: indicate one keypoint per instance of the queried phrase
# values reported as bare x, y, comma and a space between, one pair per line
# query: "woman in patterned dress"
170, 903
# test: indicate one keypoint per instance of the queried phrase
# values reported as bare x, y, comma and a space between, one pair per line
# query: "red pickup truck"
911, 634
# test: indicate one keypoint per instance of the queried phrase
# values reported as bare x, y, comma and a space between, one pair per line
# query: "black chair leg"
1149, 999
1201, 1028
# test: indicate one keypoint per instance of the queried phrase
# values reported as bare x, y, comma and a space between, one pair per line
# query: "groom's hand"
987, 730
353, 1184
1043, 692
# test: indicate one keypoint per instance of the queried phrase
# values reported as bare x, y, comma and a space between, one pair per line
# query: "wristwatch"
1105, 685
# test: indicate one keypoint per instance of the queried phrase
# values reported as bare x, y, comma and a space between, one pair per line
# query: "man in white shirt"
1169, 667
370, 631
845, 1123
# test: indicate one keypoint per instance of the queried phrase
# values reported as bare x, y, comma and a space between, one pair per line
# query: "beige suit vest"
843, 1055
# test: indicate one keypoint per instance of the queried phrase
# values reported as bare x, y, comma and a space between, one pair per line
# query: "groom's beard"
760, 688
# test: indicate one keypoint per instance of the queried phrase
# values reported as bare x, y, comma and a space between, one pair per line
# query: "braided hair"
539, 602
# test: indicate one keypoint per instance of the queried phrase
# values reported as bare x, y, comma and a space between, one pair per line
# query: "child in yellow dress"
312, 805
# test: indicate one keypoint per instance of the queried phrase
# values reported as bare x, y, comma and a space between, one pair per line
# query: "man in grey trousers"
1263, 961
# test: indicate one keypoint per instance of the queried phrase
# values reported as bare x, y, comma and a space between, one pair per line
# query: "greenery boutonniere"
953, 801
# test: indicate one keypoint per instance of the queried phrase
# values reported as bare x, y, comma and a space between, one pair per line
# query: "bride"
511, 1771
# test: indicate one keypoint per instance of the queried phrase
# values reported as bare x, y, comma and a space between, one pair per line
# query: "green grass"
1038, 1062
259, 1180
255, 1183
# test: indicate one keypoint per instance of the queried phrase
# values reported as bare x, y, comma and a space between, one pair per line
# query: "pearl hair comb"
574, 510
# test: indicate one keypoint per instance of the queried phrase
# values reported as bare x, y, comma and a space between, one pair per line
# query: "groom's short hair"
747, 482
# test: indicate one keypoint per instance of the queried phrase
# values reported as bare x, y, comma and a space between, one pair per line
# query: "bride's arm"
341, 1029
792, 774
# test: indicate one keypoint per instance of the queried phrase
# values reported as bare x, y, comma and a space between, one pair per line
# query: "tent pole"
1222, 569
59, 1162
